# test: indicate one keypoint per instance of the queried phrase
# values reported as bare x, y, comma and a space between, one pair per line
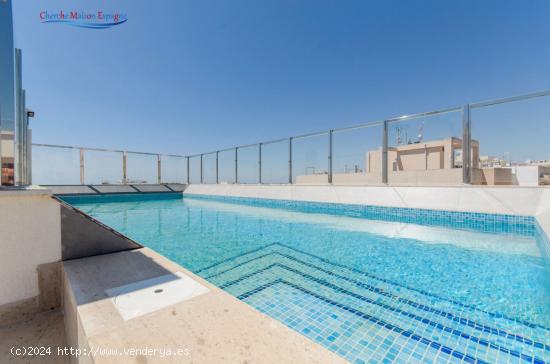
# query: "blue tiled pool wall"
125, 197
483, 222
542, 240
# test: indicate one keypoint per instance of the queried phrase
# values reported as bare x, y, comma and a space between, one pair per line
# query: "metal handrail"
509, 99
423, 114
466, 121
104, 149
335, 130
402, 118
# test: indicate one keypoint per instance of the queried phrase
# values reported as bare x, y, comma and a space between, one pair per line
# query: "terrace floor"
44, 329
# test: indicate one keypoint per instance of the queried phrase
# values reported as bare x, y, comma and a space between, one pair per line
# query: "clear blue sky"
193, 76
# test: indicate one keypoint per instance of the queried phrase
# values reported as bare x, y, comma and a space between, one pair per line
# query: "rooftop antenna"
421, 133
398, 135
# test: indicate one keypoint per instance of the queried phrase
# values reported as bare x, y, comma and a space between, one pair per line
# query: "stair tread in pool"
274, 261
395, 315
346, 330
388, 288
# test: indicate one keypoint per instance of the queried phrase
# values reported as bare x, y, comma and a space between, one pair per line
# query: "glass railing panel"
141, 168
248, 164
514, 143
195, 169
310, 159
226, 166
209, 168
173, 169
425, 150
275, 162
356, 155
102, 167
55, 166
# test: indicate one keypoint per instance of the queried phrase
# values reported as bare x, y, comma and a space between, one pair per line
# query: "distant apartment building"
437, 162
486, 161
540, 162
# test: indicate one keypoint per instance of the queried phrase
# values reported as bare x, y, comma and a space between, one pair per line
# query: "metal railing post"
236, 165
201, 171
330, 155
25, 160
81, 166
188, 178
466, 145
385, 152
18, 123
260, 163
124, 167
290, 160
217, 168
159, 169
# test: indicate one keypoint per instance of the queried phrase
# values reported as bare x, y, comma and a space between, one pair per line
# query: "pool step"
479, 334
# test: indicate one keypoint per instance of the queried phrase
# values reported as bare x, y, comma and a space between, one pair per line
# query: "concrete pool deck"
213, 327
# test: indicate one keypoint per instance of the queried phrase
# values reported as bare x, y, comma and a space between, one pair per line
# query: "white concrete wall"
514, 200
30, 235
527, 175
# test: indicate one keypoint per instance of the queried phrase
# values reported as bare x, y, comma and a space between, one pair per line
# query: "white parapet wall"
30, 243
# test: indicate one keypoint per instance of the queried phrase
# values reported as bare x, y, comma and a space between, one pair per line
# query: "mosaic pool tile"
372, 284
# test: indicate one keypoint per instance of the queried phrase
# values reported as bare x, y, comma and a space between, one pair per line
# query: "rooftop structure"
356, 244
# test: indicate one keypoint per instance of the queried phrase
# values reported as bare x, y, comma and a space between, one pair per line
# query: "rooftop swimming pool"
372, 284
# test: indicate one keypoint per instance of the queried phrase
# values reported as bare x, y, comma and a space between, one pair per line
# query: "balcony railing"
503, 141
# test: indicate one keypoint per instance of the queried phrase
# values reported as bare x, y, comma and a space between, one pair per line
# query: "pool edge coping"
80, 317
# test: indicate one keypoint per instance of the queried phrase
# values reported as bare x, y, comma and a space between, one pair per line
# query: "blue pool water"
371, 284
